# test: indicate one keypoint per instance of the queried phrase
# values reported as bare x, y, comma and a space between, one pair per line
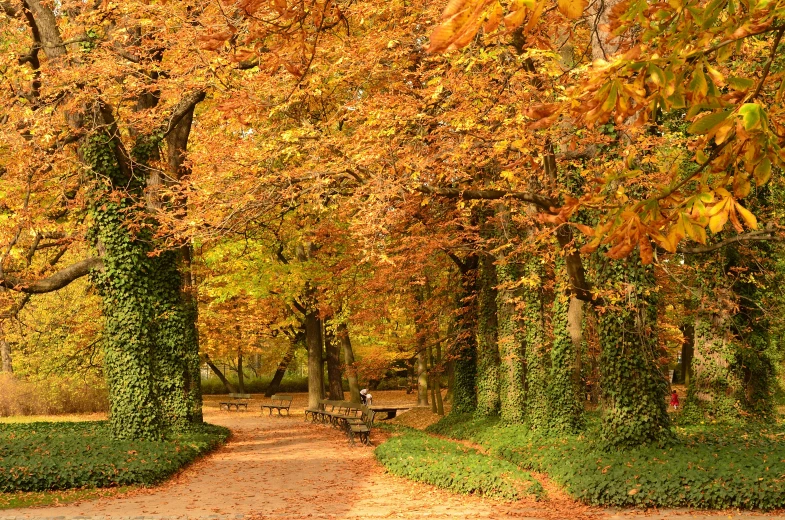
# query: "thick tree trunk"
229, 387
487, 340
294, 342
633, 385
334, 376
313, 340
348, 361
565, 405
464, 350
537, 358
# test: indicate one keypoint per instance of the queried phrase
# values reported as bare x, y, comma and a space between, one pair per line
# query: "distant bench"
237, 401
278, 402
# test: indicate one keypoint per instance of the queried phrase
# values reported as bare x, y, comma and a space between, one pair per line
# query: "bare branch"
57, 281
763, 235
543, 202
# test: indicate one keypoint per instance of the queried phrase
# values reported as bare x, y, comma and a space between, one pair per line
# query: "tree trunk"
313, 340
687, 350
464, 350
240, 375
487, 340
422, 374
575, 330
565, 406
334, 376
537, 398
5, 355
229, 387
432, 378
348, 360
633, 385
438, 380
294, 342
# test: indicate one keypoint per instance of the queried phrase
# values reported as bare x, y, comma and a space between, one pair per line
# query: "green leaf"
706, 123
751, 114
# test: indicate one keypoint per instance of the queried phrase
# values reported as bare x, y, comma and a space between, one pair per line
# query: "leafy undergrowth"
708, 467
452, 466
56, 456
22, 499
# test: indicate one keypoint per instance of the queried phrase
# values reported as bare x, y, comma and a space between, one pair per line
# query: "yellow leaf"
717, 222
572, 8
747, 216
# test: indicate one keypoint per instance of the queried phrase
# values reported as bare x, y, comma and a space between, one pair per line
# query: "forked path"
286, 468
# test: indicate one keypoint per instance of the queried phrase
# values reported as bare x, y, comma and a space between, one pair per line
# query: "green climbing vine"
464, 350
512, 370
487, 340
566, 408
151, 356
537, 405
633, 384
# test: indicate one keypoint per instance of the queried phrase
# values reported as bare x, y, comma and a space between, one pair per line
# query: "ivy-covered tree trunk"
488, 402
176, 351
129, 338
566, 408
512, 369
537, 406
464, 349
633, 384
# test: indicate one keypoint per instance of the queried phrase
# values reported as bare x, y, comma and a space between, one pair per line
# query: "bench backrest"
240, 396
281, 398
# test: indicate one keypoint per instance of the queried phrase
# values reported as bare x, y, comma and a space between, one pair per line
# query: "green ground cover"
709, 466
43, 456
453, 466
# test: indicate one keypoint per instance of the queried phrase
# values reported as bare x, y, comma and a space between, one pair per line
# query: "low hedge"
708, 467
452, 466
59, 455
289, 384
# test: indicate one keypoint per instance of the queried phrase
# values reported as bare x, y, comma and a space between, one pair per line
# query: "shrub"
53, 456
718, 467
52, 396
453, 466
289, 384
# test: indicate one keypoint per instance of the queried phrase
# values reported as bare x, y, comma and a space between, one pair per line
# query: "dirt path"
286, 468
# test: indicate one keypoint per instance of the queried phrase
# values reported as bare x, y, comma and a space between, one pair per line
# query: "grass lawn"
53, 456
709, 466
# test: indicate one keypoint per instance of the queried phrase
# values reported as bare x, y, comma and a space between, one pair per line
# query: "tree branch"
183, 108
752, 236
543, 202
57, 281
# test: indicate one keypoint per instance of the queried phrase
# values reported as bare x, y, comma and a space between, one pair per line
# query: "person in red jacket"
675, 400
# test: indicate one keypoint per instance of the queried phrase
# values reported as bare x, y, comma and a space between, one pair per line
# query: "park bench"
237, 401
278, 402
360, 426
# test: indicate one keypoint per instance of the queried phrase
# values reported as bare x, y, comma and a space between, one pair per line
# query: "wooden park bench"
278, 402
360, 426
237, 401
